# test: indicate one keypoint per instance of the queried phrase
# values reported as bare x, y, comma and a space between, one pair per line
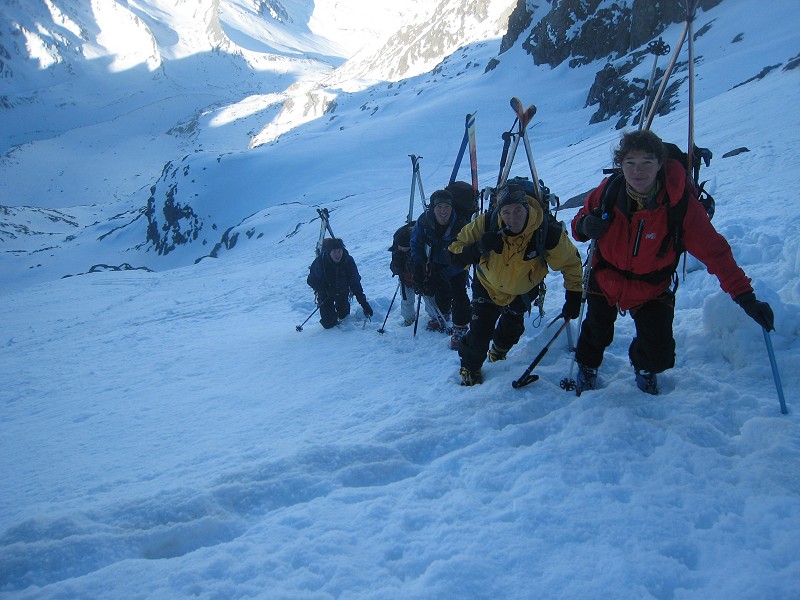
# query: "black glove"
572, 305
430, 284
760, 312
492, 241
367, 309
593, 225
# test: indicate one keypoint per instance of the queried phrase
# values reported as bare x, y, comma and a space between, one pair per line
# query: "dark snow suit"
432, 268
333, 283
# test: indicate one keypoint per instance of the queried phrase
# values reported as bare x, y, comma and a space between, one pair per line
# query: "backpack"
464, 201
547, 235
402, 237
698, 155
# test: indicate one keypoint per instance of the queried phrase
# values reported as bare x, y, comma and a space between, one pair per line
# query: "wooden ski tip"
516, 104
530, 112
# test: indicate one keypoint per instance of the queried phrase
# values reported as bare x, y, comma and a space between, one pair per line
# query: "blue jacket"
429, 243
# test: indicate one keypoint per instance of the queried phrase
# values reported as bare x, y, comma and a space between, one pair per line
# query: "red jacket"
649, 227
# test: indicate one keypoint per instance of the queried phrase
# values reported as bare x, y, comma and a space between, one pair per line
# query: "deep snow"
169, 434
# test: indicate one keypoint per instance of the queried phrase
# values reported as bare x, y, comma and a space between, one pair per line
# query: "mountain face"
212, 81
587, 30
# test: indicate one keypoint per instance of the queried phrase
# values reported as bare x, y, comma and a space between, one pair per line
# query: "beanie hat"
329, 244
508, 195
441, 197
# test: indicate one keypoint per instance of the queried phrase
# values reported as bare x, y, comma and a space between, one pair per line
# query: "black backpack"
699, 156
464, 201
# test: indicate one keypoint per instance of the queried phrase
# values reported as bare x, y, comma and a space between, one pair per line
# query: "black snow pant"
653, 348
451, 295
333, 308
503, 325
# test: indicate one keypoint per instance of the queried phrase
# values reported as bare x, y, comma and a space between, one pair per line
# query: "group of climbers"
637, 240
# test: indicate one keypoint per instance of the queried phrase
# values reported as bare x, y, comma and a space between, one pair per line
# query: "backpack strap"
675, 215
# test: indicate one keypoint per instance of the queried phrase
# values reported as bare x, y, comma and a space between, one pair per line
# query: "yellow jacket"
508, 275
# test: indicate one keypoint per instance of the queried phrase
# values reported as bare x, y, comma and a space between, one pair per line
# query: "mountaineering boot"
459, 331
470, 378
437, 324
646, 381
496, 354
407, 323
587, 379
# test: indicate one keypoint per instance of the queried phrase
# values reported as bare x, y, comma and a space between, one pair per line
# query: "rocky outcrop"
582, 31
172, 224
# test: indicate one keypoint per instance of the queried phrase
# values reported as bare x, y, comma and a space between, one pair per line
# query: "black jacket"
328, 278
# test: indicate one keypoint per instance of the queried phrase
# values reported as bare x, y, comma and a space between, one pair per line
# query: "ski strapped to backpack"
691, 8
548, 234
468, 140
465, 195
416, 181
324, 226
656, 48
512, 138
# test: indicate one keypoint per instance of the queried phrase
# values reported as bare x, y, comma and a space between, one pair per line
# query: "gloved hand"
320, 297
428, 287
572, 305
760, 312
492, 241
367, 309
593, 225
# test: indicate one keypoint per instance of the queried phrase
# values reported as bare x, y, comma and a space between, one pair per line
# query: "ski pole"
526, 377
431, 300
300, 327
416, 319
568, 383
775, 375
381, 330
570, 341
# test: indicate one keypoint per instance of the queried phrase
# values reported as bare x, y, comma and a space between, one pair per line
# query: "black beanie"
441, 197
508, 195
329, 244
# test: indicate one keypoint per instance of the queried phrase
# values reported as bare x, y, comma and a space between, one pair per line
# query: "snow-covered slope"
167, 433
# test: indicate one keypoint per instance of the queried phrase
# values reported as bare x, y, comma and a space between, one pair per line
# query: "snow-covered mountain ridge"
170, 124
166, 432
